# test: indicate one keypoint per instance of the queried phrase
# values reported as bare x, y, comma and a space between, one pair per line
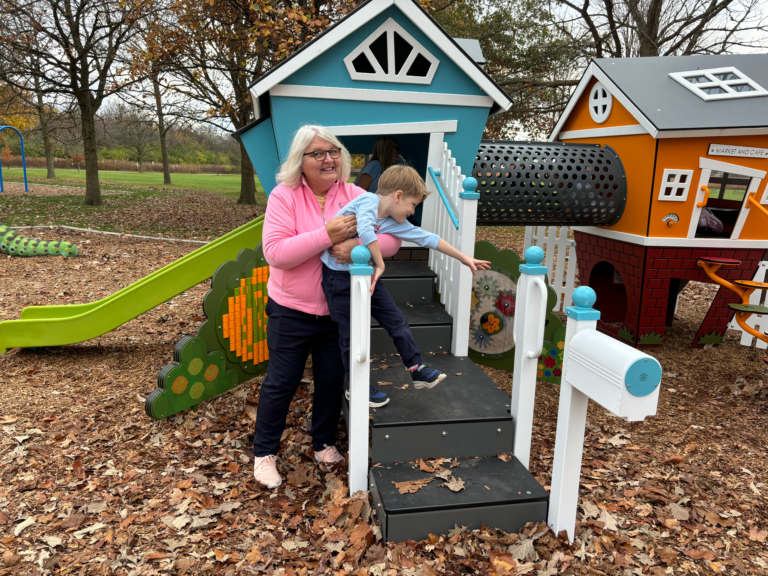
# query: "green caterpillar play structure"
14, 244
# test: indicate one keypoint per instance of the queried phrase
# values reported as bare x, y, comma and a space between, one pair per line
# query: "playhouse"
692, 134
386, 69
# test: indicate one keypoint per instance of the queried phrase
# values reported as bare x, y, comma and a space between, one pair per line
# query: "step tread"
407, 269
470, 397
753, 308
506, 482
420, 314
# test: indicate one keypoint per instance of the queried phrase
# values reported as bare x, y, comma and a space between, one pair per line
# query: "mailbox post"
623, 380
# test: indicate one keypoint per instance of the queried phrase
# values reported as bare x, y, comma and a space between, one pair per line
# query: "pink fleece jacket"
294, 236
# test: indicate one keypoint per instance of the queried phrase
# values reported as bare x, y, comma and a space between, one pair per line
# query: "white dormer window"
719, 84
600, 103
390, 54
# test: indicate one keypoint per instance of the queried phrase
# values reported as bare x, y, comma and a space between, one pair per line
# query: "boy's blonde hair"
403, 178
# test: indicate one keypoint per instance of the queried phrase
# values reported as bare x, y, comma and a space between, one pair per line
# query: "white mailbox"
621, 379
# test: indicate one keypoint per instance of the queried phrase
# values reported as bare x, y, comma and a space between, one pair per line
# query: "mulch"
91, 485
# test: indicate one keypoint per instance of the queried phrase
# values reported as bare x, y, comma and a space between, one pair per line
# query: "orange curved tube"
753, 202
741, 320
706, 197
710, 269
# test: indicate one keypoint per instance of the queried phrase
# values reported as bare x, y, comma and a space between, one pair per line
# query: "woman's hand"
341, 228
343, 251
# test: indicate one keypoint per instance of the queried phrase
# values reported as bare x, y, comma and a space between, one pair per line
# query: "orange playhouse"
692, 135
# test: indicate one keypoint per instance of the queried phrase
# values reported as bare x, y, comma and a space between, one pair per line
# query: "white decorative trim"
594, 71
712, 133
698, 198
669, 191
602, 132
600, 103
390, 27
718, 166
357, 20
371, 95
754, 184
714, 243
711, 82
442, 126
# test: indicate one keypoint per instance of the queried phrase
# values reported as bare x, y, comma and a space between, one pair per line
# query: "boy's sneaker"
426, 377
265, 471
328, 457
376, 398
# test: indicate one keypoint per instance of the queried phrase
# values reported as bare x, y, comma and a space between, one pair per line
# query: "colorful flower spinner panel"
494, 294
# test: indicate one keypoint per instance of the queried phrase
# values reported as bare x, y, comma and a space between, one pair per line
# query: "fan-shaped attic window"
390, 54
719, 84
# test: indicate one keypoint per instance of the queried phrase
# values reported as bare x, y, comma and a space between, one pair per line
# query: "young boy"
400, 190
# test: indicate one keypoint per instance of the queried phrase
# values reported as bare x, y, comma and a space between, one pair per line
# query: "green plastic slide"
61, 325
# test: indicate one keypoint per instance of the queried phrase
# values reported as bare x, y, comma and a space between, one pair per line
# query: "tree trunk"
247, 183
92, 187
44, 127
141, 166
162, 130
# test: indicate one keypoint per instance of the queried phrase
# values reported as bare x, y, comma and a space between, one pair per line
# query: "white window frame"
600, 117
390, 27
675, 185
708, 166
681, 77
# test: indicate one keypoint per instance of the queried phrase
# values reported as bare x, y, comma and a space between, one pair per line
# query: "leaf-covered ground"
90, 485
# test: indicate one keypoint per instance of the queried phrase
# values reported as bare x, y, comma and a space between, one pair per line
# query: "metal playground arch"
23, 160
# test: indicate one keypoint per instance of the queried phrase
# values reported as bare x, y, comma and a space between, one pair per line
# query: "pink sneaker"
329, 456
265, 471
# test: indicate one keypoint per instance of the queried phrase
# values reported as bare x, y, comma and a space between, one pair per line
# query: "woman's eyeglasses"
319, 155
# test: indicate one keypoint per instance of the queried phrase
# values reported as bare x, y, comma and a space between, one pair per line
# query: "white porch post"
359, 367
467, 229
528, 333
571, 423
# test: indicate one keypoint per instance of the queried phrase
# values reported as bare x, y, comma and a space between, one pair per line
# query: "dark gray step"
430, 324
412, 282
465, 415
496, 493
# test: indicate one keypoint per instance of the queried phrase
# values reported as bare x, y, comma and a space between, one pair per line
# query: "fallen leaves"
454, 484
700, 554
757, 535
412, 486
78, 469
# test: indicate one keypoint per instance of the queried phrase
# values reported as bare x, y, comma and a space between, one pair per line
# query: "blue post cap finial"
470, 189
533, 259
360, 258
583, 298
534, 255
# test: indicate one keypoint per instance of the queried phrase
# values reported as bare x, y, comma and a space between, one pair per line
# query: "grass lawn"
226, 184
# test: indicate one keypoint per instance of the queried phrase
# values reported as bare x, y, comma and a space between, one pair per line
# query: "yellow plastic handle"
706, 198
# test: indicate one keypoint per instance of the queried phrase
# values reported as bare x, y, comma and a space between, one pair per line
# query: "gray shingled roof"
670, 106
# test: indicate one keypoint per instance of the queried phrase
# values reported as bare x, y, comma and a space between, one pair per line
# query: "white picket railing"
451, 213
559, 257
757, 321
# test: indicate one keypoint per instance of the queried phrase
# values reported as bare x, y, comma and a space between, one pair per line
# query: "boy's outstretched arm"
378, 262
471, 263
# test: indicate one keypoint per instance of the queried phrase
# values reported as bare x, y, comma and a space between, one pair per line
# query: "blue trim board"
328, 69
261, 146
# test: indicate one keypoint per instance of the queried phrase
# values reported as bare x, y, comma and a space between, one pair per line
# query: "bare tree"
74, 48
621, 28
136, 132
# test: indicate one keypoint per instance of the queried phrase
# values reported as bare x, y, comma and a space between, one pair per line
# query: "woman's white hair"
290, 171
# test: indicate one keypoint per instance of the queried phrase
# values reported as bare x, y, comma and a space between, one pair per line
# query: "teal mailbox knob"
583, 296
534, 255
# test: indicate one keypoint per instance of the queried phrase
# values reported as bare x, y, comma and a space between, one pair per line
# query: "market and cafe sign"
740, 151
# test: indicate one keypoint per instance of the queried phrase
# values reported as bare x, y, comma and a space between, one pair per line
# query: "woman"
298, 226
386, 153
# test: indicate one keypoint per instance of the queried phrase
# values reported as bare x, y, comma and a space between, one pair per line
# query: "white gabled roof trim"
594, 71
360, 18
439, 126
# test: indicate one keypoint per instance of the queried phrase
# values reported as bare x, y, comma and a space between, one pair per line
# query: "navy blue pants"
336, 287
291, 336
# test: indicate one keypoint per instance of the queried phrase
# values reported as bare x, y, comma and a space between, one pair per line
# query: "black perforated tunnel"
525, 183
